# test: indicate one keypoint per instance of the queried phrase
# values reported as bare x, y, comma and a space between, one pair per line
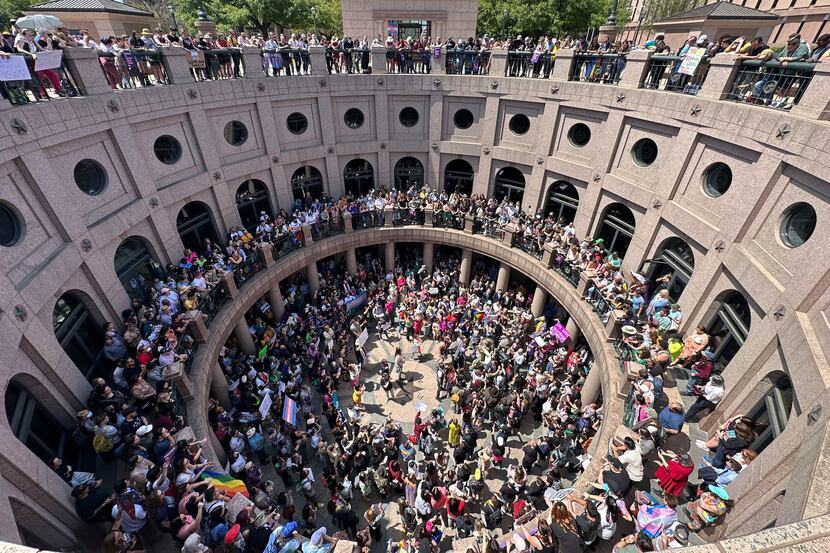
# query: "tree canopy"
546, 17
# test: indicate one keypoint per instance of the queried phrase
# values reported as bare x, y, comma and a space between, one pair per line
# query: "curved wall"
69, 237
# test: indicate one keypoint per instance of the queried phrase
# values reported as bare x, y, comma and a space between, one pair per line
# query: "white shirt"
713, 393
633, 462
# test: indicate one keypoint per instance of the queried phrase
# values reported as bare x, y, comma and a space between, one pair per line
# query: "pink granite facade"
68, 238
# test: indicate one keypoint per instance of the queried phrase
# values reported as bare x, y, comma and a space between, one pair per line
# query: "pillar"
637, 64
498, 62
176, 63
243, 337
573, 330
591, 388
428, 255
86, 71
538, 305
219, 386
313, 279
389, 256
466, 266
723, 69
317, 56
504, 277
378, 55
351, 261
276, 301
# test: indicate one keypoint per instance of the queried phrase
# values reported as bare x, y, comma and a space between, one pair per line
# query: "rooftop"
722, 10
110, 6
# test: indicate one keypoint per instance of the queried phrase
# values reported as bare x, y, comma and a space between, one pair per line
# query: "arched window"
771, 413
251, 200
617, 228
194, 224
408, 172
458, 177
729, 326
510, 184
136, 267
79, 335
675, 261
358, 177
562, 202
35, 425
307, 180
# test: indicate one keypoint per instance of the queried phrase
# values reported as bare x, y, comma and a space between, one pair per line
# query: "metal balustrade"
448, 219
772, 83
568, 270
286, 61
349, 61
367, 219
286, 244
40, 86
331, 227
663, 73
597, 68
212, 302
407, 216
186, 346
252, 264
488, 227
528, 244
467, 62
529, 64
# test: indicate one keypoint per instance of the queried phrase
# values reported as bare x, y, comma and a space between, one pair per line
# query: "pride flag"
224, 482
289, 411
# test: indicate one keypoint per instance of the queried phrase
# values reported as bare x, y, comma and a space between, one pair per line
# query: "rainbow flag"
478, 315
224, 482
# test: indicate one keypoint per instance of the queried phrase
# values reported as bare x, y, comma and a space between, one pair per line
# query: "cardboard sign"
48, 60
14, 69
692, 60
560, 332
265, 406
364, 336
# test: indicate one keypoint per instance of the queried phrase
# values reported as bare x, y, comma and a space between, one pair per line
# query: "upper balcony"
797, 87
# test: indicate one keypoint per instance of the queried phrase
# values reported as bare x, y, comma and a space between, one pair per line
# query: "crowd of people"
492, 461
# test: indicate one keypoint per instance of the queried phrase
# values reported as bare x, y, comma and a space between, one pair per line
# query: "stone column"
317, 54
307, 236
378, 55
538, 305
591, 388
429, 216
469, 223
351, 261
176, 62
498, 62
428, 255
276, 301
348, 228
252, 61
243, 337
387, 215
504, 277
219, 386
466, 266
563, 65
636, 68
86, 71
389, 256
815, 103
573, 330
313, 279
722, 71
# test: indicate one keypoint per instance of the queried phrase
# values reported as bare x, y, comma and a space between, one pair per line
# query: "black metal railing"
407, 216
448, 219
771, 83
212, 302
286, 61
597, 68
488, 227
40, 85
467, 62
331, 227
663, 73
528, 244
601, 306
179, 406
367, 219
248, 268
567, 270
286, 244
529, 64
351, 60
186, 346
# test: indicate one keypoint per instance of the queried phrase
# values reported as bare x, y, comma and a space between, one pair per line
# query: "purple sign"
560, 332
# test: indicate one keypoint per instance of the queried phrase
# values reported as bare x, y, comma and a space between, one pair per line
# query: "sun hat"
144, 430
146, 31
718, 491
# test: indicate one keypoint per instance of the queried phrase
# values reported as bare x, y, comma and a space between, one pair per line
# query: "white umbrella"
39, 21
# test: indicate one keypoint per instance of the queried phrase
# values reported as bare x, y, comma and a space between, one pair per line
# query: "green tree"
545, 17
11, 9
655, 10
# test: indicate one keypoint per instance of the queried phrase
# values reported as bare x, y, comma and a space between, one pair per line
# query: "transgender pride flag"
289, 411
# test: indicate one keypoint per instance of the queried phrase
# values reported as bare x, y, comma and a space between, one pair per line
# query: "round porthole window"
519, 124
644, 152
11, 227
798, 224
579, 135
90, 177
353, 118
463, 118
167, 149
717, 179
408, 117
297, 123
236, 133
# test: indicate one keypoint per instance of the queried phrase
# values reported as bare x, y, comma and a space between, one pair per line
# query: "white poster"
48, 60
692, 60
265, 406
364, 336
14, 69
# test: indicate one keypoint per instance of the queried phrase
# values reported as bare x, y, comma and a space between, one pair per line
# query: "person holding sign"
25, 44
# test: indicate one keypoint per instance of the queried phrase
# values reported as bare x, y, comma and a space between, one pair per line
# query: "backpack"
101, 444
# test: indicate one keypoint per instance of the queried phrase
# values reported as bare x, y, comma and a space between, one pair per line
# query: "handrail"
597, 67
771, 83
663, 73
